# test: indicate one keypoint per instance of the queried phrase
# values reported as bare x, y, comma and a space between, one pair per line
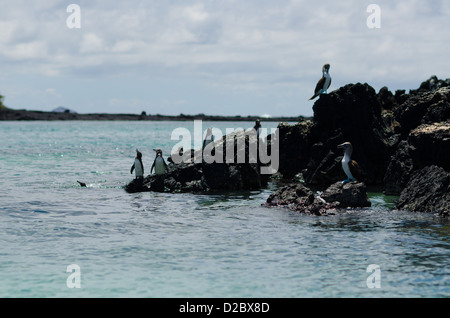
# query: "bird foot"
347, 181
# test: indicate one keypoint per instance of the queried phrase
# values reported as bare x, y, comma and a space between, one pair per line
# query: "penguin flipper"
153, 166
132, 168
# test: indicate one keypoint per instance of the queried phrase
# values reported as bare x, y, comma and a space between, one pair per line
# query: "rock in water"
351, 113
300, 198
192, 176
349, 195
428, 190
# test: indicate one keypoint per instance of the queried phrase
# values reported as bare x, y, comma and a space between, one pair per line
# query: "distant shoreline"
32, 115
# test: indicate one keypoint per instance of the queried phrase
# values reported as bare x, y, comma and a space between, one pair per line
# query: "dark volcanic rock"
428, 190
300, 198
352, 194
427, 145
431, 84
192, 176
398, 170
352, 113
430, 145
295, 147
425, 108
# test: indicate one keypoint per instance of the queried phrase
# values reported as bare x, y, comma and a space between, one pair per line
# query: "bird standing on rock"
159, 164
350, 167
324, 83
138, 167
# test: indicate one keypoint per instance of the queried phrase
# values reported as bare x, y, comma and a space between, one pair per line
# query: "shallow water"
186, 245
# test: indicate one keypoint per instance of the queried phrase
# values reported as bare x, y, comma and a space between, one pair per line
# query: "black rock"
300, 198
351, 113
428, 190
426, 145
399, 170
430, 145
205, 177
425, 108
295, 147
349, 195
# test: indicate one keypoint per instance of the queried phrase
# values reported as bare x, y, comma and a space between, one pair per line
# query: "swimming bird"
82, 184
324, 83
138, 166
350, 167
159, 164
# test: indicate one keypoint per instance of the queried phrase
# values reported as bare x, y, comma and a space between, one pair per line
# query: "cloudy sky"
224, 57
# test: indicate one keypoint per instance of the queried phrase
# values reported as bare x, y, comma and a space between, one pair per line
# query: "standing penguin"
138, 167
257, 127
159, 164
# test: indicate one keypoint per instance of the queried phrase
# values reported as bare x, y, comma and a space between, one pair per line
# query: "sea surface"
188, 245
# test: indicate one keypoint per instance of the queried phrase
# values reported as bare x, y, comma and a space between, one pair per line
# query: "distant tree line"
1, 102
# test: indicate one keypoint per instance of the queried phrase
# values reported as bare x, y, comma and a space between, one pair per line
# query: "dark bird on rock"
350, 167
324, 83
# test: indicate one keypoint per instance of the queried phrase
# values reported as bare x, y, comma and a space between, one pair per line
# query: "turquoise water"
185, 245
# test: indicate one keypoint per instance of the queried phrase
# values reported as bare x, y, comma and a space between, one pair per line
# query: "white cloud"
91, 43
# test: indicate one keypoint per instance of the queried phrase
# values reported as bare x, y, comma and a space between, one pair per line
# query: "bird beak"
340, 146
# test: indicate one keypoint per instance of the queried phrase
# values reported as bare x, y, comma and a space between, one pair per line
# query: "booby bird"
159, 163
138, 166
350, 167
324, 83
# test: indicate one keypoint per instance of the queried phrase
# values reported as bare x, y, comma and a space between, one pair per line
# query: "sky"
217, 57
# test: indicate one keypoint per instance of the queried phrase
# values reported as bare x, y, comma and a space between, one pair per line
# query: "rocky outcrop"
428, 190
399, 169
352, 113
300, 198
425, 108
428, 144
225, 174
295, 147
349, 195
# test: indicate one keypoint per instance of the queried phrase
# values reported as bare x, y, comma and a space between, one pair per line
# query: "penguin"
138, 167
324, 83
159, 164
82, 184
350, 167
257, 128
209, 137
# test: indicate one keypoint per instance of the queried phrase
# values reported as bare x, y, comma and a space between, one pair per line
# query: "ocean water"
188, 245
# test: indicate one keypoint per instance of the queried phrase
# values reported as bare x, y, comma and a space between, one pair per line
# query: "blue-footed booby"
324, 83
350, 167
